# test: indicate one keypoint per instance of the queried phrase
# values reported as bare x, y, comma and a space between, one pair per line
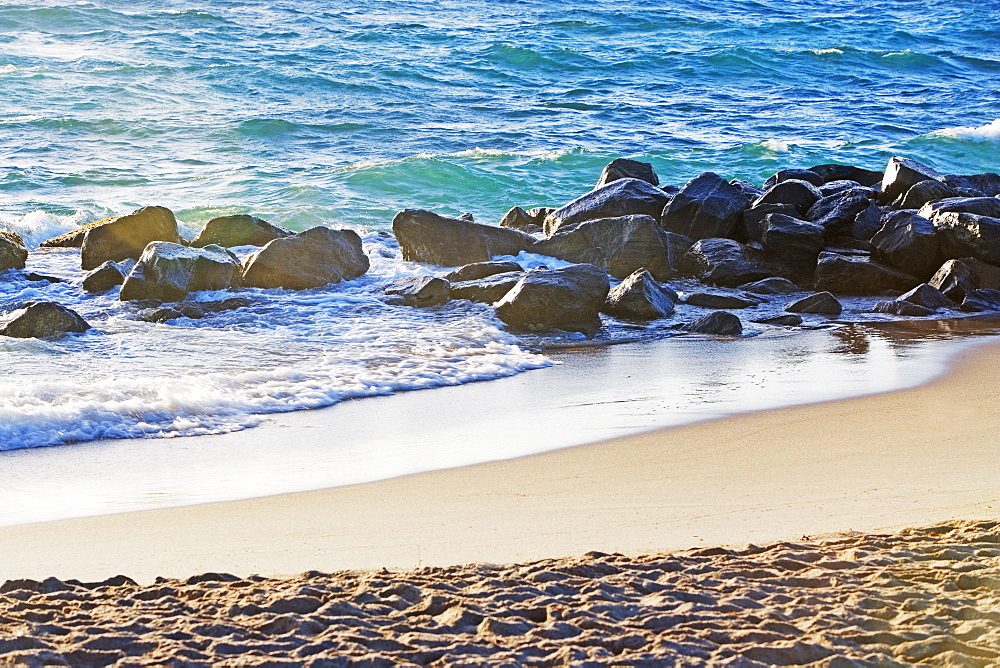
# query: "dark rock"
227, 304
467, 216
797, 174
725, 262
160, 314
706, 207
966, 234
108, 275
530, 221
792, 242
981, 300
829, 172
127, 236
770, 286
40, 278
836, 213
820, 302
487, 290
718, 323
984, 185
42, 319
901, 174
192, 310
419, 290
570, 298
718, 301
903, 308
12, 254
620, 246
867, 223
981, 206
858, 275
926, 191
749, 190
309, 259
927, 296
790, 320
639, 297
477, 270
908, 242
752, 221
800, 194
168, 271
241, 230
624, 197
986, 275
834, 187
450, 242
623, 168
954, 280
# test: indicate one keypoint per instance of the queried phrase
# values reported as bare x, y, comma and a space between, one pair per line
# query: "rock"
725, 262
570, 298
419, 290
168, 271
718, 301
529, 222
981, 206
37, 319
450, 242
752, 221
73, 238
858, 275
623, 168
108, 275
985, 185
13, 237
309, 259
800, 194
830, 172
834, 187
241, 230
903, 308
719, 323
927, 296
477, 270
820, 302
749, 190
921, 193
706, 207
792, 242
909, 242
39, 278
790, 320
954, 279
624, 197
986, 275
867, 223
770, 286
12, 254
193, 310
487, 290
836, 213
795, 174
967, 234
127, 236
620, 246
981, 300
639, 297
901, 174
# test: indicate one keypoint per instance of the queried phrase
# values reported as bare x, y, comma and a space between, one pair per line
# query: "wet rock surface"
41, 319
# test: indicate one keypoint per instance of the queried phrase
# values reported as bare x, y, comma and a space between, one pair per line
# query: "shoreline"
755, 477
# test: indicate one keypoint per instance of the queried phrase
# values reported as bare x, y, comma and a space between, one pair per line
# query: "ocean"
311, 113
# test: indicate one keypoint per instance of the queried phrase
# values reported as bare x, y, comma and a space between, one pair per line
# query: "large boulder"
793, 243
752, 223
570, 298
452, 242
39, 319
624, 197
820, 302
981, 300
124, 237
921, 193
831, 172
419, 291
901, 174
867, 223
717, 323
908, 242
13, 255
487, 290
620, 246
725, 262
836, 213
639, 297
927, 296
477, 270
623, 168
967, 234
858, 275
706, 207
981, 206
983, 185
168, 271
108, 275
309, 259
800, 194
240, 230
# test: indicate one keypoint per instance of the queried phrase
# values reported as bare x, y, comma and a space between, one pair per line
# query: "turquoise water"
311, 113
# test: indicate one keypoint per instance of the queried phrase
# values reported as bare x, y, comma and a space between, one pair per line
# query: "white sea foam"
775, 145
37, 226
988, 132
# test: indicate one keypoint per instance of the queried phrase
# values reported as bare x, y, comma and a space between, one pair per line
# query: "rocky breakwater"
921, 241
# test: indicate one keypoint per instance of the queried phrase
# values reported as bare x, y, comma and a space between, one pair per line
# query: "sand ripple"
927, 596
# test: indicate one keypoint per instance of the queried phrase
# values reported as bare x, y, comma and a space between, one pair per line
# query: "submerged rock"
624, 197
770, 286
241, 230
639, 297
820, 302
424, 236
192, 310
706, 207
623, 168
718, 323
419, 291
788, 320
127, 236
570, 299
168, 271
309, 259
717, 300
39, 319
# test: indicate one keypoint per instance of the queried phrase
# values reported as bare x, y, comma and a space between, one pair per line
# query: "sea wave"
989, 132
